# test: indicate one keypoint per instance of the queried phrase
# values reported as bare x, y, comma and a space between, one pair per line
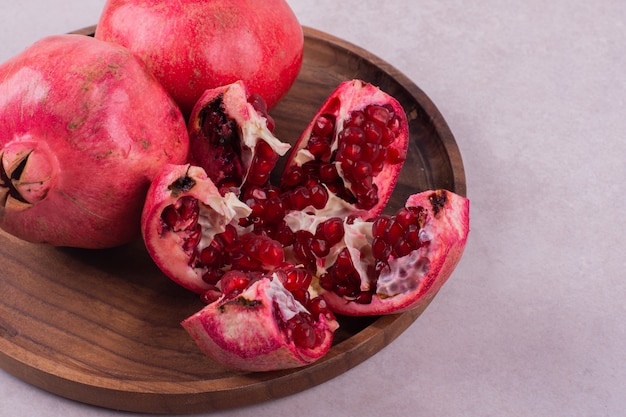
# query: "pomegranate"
231, 138
186, 223
258, 325
274, 263
387, 264
351, 153
195, 45
84, 130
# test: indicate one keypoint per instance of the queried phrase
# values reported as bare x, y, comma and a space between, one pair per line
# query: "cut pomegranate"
348, 159
188, 227
231, 138
393, 263
258, 325
274, 263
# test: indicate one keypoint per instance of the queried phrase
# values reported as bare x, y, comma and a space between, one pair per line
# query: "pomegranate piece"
192, 46
387, 264
348, 158
84, 130
188, 228
258, 325
231, 138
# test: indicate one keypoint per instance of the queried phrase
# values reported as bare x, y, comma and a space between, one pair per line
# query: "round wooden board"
103, 327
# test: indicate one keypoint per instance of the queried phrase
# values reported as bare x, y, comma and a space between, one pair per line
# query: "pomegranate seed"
243, 261
364, 297
211, 255
302, 246
388, 137
332, 230
357, 118
369, 198
297, 278
228, 236
402, 248
264, 151
352, 151
293, 176
234, 282
284, 235
212, 276
412, 235
394, 125
272, 254
378, 114
324, 125
257, 101
405, 217
274, 210
328, 173
318, 196
394, 232
211, 295
303, 333
362, 170
380, 249
373, 132
394, 156
380, 225
343, 264
320, 247
319, 147
192, 238
326, 282
181, 215
300, 198
257, 207
301, 295
370, 152
318, 306
352, 135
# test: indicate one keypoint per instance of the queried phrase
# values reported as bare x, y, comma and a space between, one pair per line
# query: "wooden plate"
102, 327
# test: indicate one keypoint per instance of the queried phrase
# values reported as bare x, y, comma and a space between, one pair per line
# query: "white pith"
251, 124
216, 212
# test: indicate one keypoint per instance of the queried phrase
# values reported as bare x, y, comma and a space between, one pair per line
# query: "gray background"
532, 321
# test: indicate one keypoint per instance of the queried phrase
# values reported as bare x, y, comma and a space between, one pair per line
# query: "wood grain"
102, 327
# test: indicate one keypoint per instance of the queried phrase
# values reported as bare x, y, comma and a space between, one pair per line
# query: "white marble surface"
532, 323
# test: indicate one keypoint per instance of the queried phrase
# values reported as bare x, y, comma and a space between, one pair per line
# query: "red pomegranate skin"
419, 275
84, 130
195, 45
244, 332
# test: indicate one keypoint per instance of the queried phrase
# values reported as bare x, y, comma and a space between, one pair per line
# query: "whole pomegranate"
195, 45
84, 130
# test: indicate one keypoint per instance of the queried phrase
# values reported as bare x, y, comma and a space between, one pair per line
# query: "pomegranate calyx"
27, 174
